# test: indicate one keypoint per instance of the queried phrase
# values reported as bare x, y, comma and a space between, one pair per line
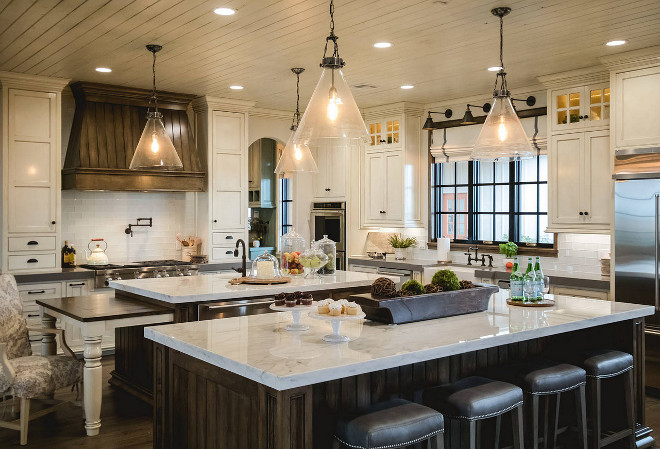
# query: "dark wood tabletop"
100, 307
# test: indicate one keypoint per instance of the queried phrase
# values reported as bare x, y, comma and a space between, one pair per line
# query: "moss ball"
412, 288
446, 279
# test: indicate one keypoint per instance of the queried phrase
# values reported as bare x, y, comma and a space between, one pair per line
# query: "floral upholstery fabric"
38, 375
13, 327
35, 375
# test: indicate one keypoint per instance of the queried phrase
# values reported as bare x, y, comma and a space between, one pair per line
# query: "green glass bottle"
529, 284
538, 278
516, 282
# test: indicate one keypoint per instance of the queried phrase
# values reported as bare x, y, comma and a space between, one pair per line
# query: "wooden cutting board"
255, 281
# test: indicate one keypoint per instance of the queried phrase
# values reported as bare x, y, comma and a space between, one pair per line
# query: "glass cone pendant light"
331, 117
502, 135
155, 150
296, 157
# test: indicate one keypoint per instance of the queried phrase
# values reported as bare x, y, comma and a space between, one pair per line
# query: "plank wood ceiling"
441, 47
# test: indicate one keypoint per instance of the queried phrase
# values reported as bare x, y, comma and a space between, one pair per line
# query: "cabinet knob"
581, 117
586, 117
581, 213
52, 222
215, 221
586, 213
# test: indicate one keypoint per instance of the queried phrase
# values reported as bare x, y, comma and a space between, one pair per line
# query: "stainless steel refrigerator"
637, 246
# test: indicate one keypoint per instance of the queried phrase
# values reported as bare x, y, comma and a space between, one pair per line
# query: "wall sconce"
428, 124
529, 101
468, 118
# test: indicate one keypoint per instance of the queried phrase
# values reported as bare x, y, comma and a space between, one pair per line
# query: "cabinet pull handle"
229, 237
32, 315
32, 261
228, 252
32, 242
36, 292
78, 284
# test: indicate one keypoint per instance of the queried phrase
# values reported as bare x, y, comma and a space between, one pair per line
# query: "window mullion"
471, 217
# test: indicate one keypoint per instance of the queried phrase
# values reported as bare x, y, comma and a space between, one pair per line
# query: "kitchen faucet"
476, 257
243, 269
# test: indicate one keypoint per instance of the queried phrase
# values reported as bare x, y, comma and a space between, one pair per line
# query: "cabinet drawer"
31, 243
226, 238
578, 292
222, 253
32, 292
32, 261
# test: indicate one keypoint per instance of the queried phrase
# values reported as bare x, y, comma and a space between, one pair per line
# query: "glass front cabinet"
384, 132
580, 107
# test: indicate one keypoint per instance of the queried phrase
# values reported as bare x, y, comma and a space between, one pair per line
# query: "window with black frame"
286, 203
491, 202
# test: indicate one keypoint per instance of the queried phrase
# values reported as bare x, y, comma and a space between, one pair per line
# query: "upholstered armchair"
25, 376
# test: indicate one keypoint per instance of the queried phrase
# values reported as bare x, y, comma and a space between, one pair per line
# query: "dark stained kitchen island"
246, 382
213, 297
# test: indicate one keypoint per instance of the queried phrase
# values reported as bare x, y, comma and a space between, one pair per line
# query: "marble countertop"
390, 262
177, 290
258, 348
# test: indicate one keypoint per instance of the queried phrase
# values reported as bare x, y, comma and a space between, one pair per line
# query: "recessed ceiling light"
224, 11
236, 87
382, 45
407, 86
615, 43
494, 68
103, 69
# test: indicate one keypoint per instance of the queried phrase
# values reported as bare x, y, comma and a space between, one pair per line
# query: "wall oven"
330, 219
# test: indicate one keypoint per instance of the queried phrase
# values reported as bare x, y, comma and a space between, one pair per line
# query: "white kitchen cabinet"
383, 193
261, 173
331, 180
392, 166
221, 134
77, 287
580, 107
637, 114
31, 158
580, 185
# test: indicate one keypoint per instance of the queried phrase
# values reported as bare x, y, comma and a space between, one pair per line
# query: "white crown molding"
635, 59
274, 114
208, 103
24, 81
387, 110
588, 75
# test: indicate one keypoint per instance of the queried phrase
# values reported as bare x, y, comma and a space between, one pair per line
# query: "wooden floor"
126, 422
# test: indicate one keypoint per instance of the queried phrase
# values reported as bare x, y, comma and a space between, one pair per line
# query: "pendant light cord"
296, 115
154, 98
334, 61
501, 75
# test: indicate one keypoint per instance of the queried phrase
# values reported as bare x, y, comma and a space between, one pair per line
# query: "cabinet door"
32, 162
254, 167
596, 106
374, 195
376, 133
77, 288
394, 190
321, 178
597, 190
337, 172
565, 177
566, 108
636, 107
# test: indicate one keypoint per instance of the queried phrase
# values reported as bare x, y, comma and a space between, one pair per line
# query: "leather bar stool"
390, 424
550, 379
606, 364
477, 398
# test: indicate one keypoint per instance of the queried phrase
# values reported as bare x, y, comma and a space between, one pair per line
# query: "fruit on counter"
291, 263
509, 265
312, 262
446, 279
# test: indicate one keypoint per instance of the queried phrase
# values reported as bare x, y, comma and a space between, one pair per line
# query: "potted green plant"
400, 244
509, 249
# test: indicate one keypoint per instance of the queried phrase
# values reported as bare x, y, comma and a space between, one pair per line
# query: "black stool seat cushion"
541, 376
392, 423
474, 398
606, 363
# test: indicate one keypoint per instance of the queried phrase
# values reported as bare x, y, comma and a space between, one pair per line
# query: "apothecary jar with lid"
292, 245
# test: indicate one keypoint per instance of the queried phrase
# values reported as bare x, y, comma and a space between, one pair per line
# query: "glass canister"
265, 266
329, 247
313, 259
292, 245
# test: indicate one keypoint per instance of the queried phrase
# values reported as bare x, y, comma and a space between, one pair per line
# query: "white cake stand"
335, 336
295, 311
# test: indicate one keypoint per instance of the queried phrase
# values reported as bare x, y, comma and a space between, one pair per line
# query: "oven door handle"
224, 306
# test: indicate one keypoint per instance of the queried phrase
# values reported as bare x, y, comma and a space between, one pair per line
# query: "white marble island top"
257, 347
185, 289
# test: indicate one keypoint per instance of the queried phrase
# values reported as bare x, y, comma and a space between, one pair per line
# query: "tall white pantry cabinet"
221, 134
31, 158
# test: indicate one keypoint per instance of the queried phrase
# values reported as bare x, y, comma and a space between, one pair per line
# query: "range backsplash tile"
87, 215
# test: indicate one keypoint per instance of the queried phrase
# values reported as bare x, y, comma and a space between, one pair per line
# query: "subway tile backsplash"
88, 214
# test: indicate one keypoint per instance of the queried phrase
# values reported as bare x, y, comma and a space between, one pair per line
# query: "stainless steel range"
140, 270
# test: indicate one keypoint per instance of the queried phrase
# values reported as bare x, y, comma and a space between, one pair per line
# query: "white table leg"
92, 379
48, 342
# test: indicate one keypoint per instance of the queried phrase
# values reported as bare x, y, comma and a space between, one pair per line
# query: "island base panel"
200, 405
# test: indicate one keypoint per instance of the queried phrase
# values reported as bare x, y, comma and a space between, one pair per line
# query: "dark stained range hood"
107, 126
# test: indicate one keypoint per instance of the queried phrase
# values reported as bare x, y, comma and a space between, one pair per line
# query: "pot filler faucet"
476, 257
243, 269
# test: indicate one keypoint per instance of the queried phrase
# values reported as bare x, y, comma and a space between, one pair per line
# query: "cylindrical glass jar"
265, 266
292, 245
313, 259
329, 247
